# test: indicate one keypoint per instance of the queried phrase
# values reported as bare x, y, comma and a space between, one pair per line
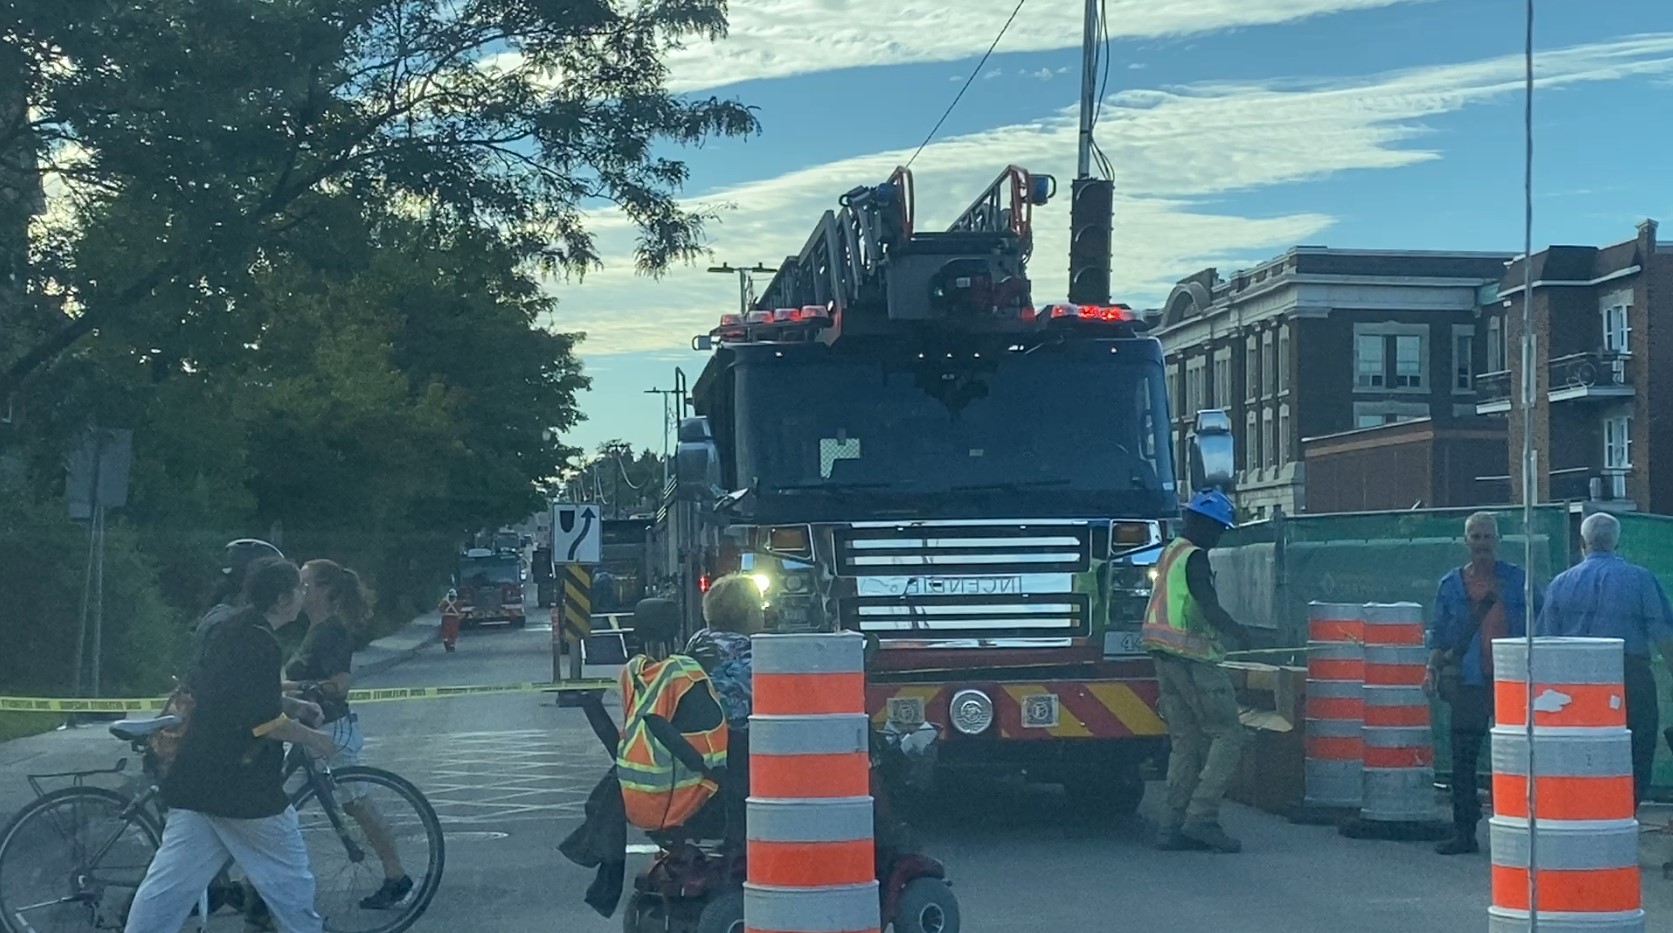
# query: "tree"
198, 139
623, 482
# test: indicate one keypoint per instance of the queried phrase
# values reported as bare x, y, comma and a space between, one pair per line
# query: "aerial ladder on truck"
867, 269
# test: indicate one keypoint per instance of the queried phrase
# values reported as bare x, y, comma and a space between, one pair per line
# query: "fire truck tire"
519, 621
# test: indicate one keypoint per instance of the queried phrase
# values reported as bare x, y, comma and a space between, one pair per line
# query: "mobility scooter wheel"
724, 914
927, 905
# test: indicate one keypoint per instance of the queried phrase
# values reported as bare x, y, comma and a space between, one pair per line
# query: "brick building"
1385, 336
1420, 463
1603, 363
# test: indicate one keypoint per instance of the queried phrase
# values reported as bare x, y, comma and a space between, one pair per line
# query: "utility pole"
1088, 88
746, 281
668, 419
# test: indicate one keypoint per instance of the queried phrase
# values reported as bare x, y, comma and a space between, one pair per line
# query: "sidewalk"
92, 746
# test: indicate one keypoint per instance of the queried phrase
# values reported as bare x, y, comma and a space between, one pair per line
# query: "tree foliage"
200, 138
295, 248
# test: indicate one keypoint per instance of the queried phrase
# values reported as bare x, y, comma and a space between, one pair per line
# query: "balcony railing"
1491, 388
1594, 374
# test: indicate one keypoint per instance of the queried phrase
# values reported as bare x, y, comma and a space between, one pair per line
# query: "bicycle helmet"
241, 553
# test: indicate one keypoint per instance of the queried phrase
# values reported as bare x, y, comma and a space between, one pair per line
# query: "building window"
1252, 367
1617, 443
1196, 374
1463, 358
1223, 378
1496, 349
1269, 365
1283, 434
1370, 368
1251, 441
1408, 362
1617, 328
1269, 439
1390, 357
1376, 414
1284, 358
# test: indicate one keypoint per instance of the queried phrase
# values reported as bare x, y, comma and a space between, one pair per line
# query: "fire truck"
894, 438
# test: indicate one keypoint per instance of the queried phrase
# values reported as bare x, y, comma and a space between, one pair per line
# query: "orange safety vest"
448, 606
1173, 622
657, 791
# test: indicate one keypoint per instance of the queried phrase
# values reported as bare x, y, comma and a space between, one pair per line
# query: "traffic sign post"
577, 533
577, 603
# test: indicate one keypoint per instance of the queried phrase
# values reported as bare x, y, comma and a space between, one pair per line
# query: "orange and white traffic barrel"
1584, 840
1334, 762
811, 856
1399, 743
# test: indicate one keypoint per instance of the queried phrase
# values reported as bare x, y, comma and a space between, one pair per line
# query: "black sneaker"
393, 892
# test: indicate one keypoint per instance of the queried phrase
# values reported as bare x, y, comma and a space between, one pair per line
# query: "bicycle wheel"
71, 861
376, 818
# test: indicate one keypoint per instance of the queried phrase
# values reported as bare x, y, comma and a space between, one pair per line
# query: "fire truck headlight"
971, 712
762, 582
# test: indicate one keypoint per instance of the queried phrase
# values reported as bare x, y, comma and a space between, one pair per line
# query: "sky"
1236, 129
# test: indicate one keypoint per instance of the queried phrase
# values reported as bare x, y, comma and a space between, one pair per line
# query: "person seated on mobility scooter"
694, 885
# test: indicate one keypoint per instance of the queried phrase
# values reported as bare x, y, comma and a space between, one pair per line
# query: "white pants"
270, 850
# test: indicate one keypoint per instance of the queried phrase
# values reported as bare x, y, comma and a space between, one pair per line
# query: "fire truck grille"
966, 583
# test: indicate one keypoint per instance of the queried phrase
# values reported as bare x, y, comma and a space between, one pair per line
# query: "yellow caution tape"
375, 695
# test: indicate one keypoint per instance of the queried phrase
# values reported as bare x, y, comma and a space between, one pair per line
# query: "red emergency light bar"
762, 324
1116, 313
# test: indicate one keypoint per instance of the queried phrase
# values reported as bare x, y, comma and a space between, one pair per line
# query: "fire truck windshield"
1077, 426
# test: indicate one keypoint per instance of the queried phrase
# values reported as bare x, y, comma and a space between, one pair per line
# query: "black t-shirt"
326, 651
225, 767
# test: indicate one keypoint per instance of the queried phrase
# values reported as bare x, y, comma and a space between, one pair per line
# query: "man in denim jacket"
1478, 602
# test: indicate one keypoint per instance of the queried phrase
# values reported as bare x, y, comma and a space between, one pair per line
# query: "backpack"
163, 746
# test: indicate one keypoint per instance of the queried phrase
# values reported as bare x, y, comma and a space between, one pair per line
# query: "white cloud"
1044, 74
778, 38
993, 73
1175, 150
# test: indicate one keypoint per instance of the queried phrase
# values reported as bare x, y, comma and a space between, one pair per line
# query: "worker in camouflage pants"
1185, 631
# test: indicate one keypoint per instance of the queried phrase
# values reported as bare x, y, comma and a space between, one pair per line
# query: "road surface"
509, 775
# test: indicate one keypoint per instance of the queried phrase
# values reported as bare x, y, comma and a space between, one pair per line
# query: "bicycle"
88, 887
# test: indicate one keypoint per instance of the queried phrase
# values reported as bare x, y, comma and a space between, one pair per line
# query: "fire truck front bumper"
984, 713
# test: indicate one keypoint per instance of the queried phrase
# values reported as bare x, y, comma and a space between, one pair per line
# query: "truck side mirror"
702, 343
1213, 452
697, 460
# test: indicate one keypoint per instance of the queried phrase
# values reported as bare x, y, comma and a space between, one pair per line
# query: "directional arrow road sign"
576, 533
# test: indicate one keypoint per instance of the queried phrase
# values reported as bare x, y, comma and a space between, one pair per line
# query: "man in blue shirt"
1604, 596
1476, 603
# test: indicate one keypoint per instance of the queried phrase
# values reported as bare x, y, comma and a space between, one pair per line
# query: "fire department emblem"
1040, 711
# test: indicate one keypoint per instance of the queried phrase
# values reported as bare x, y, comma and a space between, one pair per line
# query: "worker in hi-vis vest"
1186, 632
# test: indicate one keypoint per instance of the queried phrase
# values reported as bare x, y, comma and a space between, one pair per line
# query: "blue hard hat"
1213, 504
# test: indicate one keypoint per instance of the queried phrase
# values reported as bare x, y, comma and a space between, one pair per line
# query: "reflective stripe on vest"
1173, 622
657, 792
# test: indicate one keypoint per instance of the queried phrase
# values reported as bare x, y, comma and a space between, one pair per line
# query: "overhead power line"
967, 82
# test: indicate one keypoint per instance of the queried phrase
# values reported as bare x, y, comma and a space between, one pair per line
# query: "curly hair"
268, 581
733, 604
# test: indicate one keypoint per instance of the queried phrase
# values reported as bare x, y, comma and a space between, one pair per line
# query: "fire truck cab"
895, 439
